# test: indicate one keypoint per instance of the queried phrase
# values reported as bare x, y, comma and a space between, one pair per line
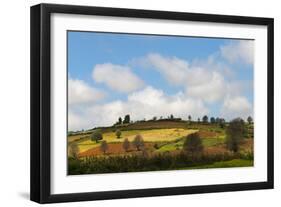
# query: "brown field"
114, 148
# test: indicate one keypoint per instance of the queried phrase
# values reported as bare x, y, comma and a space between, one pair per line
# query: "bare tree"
126, 145
73, 150
104, 146
138, 142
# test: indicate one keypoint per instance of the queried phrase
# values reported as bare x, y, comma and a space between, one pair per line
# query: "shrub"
142, 162
118, 134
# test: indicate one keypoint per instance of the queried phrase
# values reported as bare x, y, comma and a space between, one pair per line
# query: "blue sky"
114, 73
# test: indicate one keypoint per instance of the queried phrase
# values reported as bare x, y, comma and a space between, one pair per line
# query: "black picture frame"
41, 102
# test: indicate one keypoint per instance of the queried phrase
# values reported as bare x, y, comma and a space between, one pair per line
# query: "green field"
225, 164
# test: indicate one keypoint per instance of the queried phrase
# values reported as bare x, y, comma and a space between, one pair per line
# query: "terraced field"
153, 135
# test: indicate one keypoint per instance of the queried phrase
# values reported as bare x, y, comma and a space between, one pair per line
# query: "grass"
176, 145
225, 164
209, 142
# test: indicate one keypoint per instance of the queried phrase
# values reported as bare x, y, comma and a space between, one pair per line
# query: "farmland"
163, 140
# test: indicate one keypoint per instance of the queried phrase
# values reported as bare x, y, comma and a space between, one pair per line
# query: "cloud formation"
237, 106
79, 92
239, 51
117, 77
203, 81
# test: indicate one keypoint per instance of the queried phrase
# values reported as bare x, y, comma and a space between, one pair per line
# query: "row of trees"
205, 119
126, 120
213, 120
138, 143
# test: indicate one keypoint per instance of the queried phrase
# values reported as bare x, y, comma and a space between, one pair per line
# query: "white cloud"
174, 69
239, 51
117, 77
203, 80
211, 90
78, 121
142, 104
79, 92
238, 106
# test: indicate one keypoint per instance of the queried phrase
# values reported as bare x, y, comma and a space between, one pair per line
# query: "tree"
193, 144
212, 120
172, 116
126, 119
217, 120
205, 119
104, 146
154, 118
250, 120
189, 118
126, 145
73, 150
96, 136
222, 123
235, 134
119, 120
118, 134
198, 120
138, 142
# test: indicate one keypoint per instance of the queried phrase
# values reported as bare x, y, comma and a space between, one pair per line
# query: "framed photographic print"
133, 103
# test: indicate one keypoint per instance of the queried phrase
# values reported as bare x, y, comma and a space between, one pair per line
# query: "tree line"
205, 119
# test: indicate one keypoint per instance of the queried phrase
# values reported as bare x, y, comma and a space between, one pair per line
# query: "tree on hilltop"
126, 119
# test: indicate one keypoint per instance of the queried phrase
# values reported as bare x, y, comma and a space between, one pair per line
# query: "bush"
138, 163
118, 134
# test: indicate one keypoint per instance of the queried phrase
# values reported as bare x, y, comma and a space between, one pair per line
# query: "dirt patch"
207, 134
247, 145
114, 149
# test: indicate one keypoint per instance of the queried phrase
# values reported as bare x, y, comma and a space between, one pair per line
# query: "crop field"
152, 135
167, 143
